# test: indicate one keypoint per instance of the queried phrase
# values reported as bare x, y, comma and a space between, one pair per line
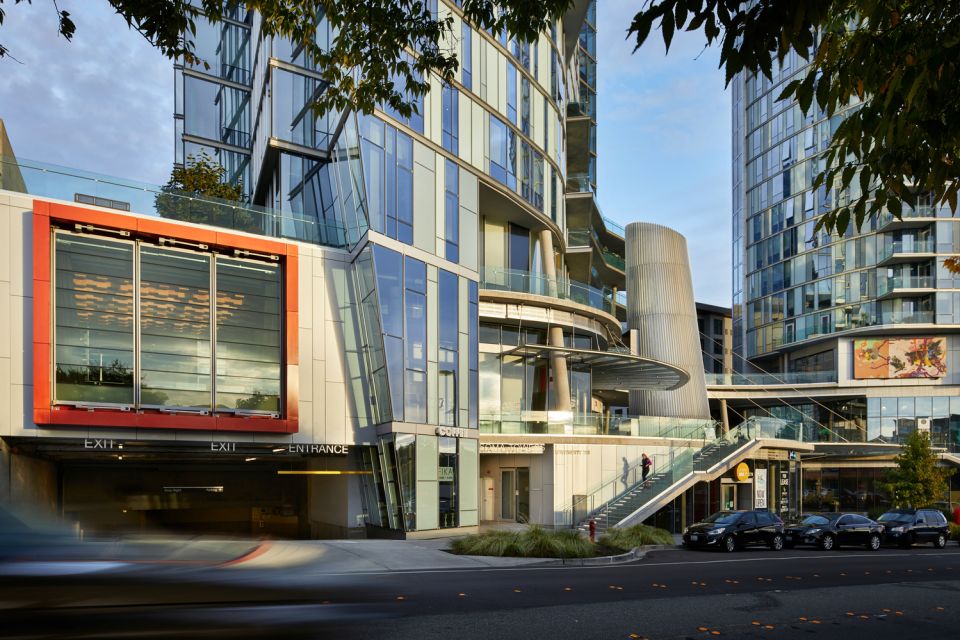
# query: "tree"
203, 176
366, 64
918, 480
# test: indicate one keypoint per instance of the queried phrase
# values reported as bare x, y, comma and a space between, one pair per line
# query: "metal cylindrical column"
661, 308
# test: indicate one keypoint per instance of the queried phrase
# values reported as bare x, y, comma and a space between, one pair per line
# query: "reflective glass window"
450, 119
466, 53
175, 350
451, 203
93, 334
448, 342
249, 340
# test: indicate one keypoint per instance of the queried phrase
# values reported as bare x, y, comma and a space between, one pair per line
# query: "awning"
611, 370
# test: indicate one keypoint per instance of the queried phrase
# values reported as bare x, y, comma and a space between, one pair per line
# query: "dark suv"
905, 527
728, 530
833, 530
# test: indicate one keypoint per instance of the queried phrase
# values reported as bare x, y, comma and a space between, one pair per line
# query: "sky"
104, 103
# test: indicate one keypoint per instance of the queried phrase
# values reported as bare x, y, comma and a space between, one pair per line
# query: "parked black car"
833, 530
905, 527
728, 530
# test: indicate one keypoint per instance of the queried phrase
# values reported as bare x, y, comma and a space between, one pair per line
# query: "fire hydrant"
593, 530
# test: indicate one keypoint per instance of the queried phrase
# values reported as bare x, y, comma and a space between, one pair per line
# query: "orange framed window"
152, 324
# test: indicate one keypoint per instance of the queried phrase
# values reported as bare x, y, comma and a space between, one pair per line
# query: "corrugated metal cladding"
660, 306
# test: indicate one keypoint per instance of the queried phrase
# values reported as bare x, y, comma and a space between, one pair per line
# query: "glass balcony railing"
74, 185
499, 279
907, 317
770, 379
886, 218
906, 246
560, 422
613, 227
580, 183
580, 237
890, 284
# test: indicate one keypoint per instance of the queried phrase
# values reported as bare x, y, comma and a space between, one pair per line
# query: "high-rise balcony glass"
580, 183
770, 379
539, 284
886, 218
889, 284
907, 245
906, 317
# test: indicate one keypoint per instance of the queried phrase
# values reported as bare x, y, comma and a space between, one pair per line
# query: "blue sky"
105, 102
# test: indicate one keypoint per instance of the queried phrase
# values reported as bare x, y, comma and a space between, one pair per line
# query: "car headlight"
897, 530
716, 532
686, 530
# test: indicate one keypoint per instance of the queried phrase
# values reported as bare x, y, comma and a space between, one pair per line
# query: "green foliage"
636, 536
366, 63
217, 205
533, 542
918, 480
889, 69
954, 531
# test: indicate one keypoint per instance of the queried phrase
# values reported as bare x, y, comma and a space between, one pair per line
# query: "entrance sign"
512, 448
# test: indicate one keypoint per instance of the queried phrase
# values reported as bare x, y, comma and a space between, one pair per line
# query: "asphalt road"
758, 593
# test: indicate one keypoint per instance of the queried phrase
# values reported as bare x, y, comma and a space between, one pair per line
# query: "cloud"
102, 103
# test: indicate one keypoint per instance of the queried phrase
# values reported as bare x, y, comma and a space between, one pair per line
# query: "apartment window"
473, 363
511, 93
195, 350
389, 269
388, 176
415, 312
450, 117
451, 203
466, 53
525, 106
503, 153
448, 341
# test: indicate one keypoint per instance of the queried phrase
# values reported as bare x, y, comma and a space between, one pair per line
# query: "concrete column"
558, 364
725, 416
661, 308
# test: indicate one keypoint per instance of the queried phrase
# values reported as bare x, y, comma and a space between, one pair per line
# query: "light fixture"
119, 457
279, 449
249, 459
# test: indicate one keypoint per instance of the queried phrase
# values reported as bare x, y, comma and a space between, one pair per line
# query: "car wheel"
826, 542
940, 542
776, 542
874, 542
729, 544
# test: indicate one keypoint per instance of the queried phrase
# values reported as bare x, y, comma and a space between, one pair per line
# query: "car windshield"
723, 517
815, 520
896, 517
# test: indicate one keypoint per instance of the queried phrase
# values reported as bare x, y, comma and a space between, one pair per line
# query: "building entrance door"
515, 494
728, 497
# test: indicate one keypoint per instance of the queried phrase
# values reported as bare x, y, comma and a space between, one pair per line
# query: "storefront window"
406, 452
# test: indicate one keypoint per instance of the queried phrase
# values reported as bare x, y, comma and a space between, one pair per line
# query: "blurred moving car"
728, 530
833, 530
906, 527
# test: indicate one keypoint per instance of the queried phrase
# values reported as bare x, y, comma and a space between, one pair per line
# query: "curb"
257, 551
637, 553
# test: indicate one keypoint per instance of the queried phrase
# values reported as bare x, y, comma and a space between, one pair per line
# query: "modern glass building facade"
850, 340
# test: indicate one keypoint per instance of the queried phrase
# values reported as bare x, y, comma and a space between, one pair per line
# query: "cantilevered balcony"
909, 219
892, 286
908, 250
498, 279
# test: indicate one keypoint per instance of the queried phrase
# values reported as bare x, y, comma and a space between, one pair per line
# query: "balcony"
595, 424
61, 183
909, 218
497, 279
906, 251
894, 285
580, 183
907, 317
770, 379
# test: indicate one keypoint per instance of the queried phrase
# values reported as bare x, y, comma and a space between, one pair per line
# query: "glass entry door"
728, 497
508, 494
515, 494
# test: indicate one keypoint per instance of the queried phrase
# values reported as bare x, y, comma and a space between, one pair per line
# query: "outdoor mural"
903, 358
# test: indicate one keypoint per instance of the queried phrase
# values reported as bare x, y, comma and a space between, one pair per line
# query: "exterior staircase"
683, 468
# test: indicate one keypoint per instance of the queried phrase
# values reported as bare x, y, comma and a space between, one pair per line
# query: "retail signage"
900, 358
515, 448
742, 472
453, 432
760, 489
776, 454
445, 474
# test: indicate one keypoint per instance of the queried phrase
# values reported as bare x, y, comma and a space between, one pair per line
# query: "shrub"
636, 536
954, 531
532, 542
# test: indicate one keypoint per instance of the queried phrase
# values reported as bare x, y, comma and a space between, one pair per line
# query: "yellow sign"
742, 472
